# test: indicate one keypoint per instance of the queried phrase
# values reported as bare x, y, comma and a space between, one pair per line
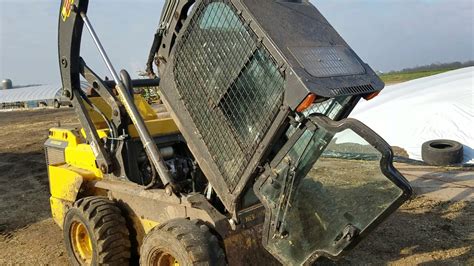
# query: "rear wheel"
181, 242
95, 233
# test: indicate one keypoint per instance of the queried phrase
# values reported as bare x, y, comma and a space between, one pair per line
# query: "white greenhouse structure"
30, 96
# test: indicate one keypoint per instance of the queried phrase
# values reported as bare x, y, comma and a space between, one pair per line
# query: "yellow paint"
66, 179
102, 105
81, 155
77, 154
81, 242
62, 134
66, 10
83, 158
143, 107
156, 127
148, 225
165, 259
58, 209
63, 182
101, 133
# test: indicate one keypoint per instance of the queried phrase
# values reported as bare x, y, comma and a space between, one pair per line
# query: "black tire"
442, 152
188, 242
108, 236
56, 104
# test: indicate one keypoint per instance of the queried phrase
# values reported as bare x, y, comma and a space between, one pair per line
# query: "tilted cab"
233, 70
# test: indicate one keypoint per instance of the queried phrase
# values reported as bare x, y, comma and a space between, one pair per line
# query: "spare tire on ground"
442, 152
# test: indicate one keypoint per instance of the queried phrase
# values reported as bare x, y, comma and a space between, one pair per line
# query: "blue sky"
387, 34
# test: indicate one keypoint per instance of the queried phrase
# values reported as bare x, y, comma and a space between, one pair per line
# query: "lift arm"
73, 17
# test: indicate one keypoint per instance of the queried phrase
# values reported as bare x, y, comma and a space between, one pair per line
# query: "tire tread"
202, 247
109, 228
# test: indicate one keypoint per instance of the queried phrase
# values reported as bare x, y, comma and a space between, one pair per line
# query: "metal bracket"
104, 92
102, 157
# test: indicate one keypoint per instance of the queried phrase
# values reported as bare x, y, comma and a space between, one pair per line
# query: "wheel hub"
165, 259
81, 242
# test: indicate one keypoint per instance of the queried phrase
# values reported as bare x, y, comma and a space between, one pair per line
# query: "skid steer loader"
257, 163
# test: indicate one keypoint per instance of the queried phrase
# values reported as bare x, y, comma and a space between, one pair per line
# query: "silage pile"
437, 107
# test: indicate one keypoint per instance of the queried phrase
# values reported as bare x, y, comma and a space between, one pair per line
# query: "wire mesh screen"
229, 84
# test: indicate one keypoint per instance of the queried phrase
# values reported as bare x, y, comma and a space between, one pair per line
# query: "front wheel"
181, 242
95, 233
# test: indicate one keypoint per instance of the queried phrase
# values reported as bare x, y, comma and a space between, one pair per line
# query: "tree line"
436, 66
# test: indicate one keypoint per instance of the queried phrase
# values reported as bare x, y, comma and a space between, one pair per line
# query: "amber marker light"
306, 102
372, 95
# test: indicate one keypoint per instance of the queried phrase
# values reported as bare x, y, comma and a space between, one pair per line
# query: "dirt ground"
424, 231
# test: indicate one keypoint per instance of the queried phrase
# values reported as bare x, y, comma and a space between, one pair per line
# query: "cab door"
328, 187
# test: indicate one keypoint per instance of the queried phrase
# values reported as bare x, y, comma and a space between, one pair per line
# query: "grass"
398, 77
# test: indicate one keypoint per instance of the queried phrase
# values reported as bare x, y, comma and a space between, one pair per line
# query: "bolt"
284, 234
233, 223
116, 113
168, 190
64, 62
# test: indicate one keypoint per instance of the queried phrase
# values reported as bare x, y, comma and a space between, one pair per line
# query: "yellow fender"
64, 185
